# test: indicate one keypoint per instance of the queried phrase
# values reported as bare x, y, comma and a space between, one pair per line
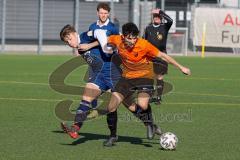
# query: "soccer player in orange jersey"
137, 73
136, 54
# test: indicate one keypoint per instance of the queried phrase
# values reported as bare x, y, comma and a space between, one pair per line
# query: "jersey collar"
105, 24
154, 25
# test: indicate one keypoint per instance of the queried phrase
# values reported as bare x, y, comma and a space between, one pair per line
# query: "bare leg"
143, 100
116, 99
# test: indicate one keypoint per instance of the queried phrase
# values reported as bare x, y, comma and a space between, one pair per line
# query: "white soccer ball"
168, 141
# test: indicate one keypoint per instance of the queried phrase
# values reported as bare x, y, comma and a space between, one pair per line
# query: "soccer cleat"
71, 131
152, 130
157, 100
110, 142
157, 130
92, 114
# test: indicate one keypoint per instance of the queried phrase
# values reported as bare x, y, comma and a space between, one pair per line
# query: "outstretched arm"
87, 46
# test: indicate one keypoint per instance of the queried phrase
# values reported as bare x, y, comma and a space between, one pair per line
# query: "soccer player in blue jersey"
100, 78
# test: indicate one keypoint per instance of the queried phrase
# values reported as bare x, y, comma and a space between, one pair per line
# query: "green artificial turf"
202, 110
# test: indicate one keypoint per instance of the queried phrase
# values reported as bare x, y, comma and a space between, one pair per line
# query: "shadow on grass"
91, 136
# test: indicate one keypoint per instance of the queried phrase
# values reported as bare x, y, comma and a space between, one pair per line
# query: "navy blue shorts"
106, 79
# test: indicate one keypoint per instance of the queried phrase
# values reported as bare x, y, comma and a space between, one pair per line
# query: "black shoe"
150, 132
110, 142
157, 130
157, 100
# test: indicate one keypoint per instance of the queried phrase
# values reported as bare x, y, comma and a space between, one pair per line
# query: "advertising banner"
220, 27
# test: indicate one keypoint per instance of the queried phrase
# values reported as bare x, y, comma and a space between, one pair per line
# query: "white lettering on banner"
223, 27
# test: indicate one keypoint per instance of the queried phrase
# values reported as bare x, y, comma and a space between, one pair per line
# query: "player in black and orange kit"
137, 67
156, 33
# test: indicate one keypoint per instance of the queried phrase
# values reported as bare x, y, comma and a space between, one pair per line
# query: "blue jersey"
111, 30
110, 72
84, 38
93, 61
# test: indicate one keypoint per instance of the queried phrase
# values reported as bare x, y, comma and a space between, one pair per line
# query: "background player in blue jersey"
103, 22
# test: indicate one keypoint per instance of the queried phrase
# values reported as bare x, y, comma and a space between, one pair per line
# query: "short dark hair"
66, 30
157, 15
104, 6
130, 29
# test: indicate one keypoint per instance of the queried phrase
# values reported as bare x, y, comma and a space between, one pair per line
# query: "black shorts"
160, 66
129, 100
128, 87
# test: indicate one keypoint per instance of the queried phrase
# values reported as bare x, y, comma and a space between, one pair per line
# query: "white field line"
168, 103
173, 92
204, 78
206, 94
